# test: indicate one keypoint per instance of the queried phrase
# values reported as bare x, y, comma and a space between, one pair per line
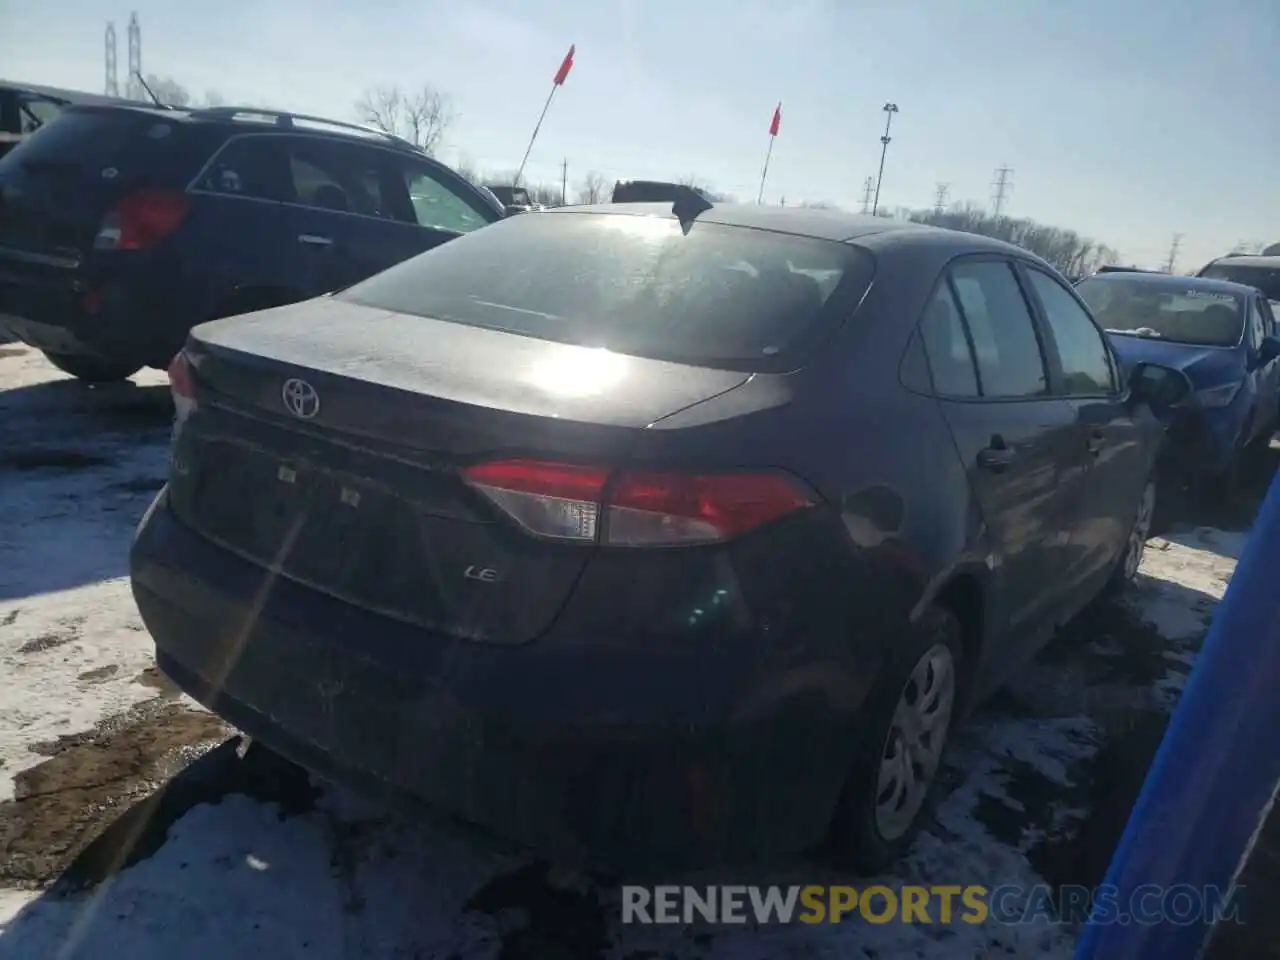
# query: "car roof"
1171, 280
1241, 260
72, 97
835, 225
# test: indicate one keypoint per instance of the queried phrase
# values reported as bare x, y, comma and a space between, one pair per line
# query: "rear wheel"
93, 369
894, 776
1136, 543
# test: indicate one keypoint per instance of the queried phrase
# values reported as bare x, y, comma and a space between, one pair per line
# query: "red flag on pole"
565, 66
777, 120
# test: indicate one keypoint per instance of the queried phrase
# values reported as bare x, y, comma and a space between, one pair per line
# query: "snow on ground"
238, 862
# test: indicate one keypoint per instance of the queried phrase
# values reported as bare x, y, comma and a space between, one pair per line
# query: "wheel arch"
964, 590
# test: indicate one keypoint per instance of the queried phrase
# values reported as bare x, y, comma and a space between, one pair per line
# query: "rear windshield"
717, 296
91, 139
1139, 308
1266, 279
83, 139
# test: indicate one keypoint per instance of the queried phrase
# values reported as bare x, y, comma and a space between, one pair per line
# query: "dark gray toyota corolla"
647, 535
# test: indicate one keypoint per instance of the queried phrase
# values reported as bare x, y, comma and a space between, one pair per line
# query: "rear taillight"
141, 219
586, 504
183, 389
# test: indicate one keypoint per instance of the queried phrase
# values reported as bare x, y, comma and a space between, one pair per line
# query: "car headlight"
1215, 397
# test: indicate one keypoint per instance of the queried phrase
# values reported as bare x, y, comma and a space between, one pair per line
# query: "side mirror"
1159, 387
1268, 350
512, 209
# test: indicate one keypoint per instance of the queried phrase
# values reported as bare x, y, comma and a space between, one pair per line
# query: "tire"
93, 369
868, 835
1135, 546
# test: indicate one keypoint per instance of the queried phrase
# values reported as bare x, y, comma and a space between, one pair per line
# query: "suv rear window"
1266, 279
90, 139
717, 296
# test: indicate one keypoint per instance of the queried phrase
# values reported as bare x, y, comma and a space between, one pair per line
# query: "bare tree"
593, 188
467, 169
422, 117
1065, 249
546, 194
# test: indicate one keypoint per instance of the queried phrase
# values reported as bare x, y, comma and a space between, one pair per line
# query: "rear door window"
716, 296
1010, 362
248, 166
947, 346
338, 177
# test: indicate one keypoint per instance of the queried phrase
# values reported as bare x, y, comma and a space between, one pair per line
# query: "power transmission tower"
940, 197
868, 188
1002, 187
135, 59
112, 86
564, 182
1173, 253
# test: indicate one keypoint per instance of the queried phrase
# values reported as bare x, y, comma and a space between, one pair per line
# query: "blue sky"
1128, 120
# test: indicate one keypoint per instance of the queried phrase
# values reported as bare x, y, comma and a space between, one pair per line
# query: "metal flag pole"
1212, 782
774, 124
765, 173
565, 66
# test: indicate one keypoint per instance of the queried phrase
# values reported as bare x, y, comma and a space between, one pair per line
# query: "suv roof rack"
282, 118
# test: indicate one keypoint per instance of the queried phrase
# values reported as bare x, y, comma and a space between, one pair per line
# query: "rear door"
238, 198
1018, 442
1114, 435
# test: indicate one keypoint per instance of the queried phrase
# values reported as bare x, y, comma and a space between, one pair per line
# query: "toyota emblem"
300, 399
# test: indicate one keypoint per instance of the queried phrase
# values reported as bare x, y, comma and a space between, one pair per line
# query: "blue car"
1222, 336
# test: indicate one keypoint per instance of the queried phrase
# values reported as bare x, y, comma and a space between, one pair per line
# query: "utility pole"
940, 197
1173, 253
889, 110
564, 182
868, 187
1002, 186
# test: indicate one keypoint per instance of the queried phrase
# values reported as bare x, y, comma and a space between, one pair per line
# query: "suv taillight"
570, 502
141, 219
183, 389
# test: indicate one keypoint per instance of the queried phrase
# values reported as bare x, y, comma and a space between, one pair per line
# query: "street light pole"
889, 110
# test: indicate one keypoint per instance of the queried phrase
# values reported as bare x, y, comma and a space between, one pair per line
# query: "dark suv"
123, 227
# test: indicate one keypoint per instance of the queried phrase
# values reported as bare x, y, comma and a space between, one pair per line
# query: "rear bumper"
604, 754
128, 311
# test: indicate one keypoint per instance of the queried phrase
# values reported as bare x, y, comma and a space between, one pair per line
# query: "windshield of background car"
718, 296
1137, 308
1266, 279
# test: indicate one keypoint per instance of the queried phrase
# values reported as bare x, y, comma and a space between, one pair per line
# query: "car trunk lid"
361, 491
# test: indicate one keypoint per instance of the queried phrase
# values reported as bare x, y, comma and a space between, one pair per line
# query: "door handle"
1095, 442
313, 240
995, 458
